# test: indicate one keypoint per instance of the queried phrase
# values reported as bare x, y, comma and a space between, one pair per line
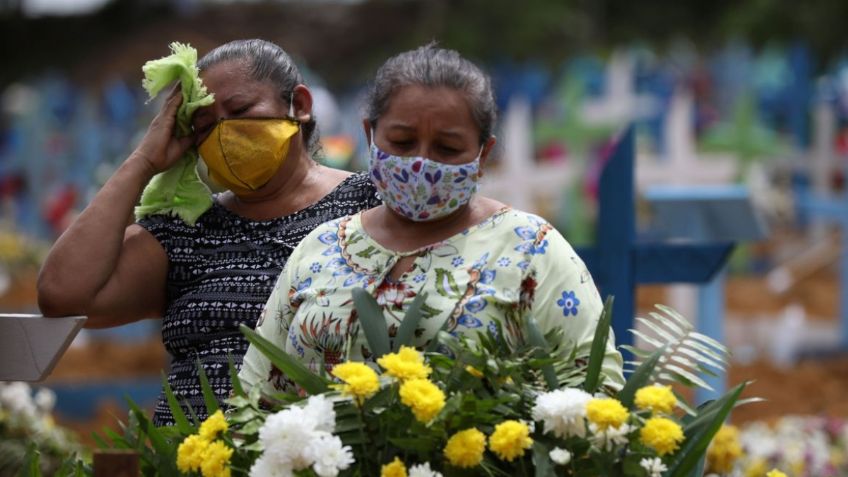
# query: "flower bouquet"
462, 406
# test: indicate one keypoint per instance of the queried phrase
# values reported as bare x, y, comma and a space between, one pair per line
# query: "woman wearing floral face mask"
430, 118
206, 279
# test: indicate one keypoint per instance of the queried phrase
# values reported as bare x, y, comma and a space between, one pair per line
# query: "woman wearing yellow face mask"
257, 140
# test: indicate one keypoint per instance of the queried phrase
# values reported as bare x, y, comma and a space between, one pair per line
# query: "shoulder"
532, 234
165, 227
358, 186
327, 234
527, 226
357, 181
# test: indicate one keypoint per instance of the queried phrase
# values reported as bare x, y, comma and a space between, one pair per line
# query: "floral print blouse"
510, 266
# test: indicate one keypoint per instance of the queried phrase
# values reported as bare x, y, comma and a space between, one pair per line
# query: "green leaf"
658, 330
238, 389
208, 394
410, 322
101, 444
372, 321
537, 340
720, 356
651, 341
291, 366
640, 377
700, 357
32, 462
176, 410
118, 440
599, 346
542, 461
700, 431
691, 377
439, 337
416, 444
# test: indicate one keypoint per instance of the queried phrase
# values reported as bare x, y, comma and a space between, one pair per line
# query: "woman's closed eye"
240, 110
449, 150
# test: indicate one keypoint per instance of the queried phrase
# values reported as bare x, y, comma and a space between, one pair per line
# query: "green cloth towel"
179, 190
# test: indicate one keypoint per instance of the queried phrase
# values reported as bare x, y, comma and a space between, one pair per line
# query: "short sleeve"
273, 325
566, 298
161, 227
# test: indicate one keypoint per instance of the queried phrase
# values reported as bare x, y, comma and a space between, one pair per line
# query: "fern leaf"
647, 339
661, 333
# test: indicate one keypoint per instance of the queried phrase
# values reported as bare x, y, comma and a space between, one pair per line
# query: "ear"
484, 154
369, 132
302, 103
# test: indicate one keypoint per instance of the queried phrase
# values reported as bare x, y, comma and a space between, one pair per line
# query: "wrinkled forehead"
416, 104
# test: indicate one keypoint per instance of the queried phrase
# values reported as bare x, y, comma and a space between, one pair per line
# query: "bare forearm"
86, 255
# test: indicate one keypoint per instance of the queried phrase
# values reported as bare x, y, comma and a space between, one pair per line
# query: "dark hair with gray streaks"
268, 62
434, 67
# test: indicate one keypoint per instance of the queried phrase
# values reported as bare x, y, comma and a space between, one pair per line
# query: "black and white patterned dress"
221, 272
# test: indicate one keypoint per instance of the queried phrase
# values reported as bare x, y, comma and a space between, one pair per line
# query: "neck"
409, 235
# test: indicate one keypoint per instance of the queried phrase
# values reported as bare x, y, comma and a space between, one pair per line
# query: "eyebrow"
203, 112
444, 132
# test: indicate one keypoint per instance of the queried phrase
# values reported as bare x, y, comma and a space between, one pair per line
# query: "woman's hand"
160, 148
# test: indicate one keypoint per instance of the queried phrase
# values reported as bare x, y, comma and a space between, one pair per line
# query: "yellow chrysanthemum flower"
510, 439
474, 371
216, 460
724, 450
394, 468
606, 413
756, 468
661, 434
360, 380
190, 453
775, 473
465, 448
213, 425
423, 397
656, 398
405, 364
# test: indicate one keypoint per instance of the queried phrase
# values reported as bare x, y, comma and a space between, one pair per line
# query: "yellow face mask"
244, 154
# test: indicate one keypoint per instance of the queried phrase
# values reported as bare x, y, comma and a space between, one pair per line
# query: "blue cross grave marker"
833, 210
618, 262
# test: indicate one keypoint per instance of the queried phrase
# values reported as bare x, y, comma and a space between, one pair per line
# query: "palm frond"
688, 354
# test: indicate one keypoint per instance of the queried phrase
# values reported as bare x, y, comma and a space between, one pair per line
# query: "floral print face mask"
422, 189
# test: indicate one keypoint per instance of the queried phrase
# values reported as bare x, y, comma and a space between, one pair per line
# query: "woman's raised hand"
160, 148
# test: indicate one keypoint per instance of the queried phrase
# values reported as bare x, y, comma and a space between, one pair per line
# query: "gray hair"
268, 62
434, 67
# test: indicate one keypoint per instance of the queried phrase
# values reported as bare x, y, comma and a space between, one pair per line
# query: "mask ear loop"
291, 105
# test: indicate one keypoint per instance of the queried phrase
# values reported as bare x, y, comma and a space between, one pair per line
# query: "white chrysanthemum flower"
264, 467
329, 455
320, 410
607, 439
759, 441
284, 437
563, 411
17, 398
560, 456
423, 470
653, 466
45, 400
